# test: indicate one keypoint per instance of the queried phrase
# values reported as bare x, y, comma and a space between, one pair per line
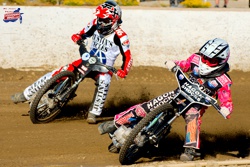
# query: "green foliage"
83, 2
98, 2
196, 4
93, 2
128, 2
73, 2
18, 2
53, 2
69, 2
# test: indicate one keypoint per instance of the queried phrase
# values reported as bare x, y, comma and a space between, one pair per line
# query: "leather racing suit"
218, 86
106, 48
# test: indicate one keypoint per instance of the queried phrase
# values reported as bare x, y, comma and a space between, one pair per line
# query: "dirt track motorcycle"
156, 125
61, 88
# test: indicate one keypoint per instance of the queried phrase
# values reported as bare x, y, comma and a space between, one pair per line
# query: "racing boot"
18, 98
106, 127
91, 119
113, 149
189, 154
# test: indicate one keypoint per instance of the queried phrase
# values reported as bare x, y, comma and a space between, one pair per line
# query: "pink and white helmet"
214, 56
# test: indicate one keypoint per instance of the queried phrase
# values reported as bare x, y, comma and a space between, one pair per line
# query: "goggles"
212, 62
104, 22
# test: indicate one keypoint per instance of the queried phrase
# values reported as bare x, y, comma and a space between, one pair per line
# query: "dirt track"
70, 141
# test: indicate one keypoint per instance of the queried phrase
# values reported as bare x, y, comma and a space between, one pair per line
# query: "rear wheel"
144, 133
49, 100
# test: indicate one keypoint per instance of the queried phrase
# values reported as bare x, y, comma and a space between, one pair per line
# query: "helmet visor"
104, 25
104, 22
212, 62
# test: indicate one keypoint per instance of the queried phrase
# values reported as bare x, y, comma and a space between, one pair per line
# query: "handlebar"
82, 42
110, 68
213, 103
83, 50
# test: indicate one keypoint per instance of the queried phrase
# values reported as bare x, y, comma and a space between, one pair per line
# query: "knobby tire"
50, 84
123, 155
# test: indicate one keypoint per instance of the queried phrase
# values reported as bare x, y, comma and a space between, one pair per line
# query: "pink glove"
121, 73
170, 65
225, 112
76, 37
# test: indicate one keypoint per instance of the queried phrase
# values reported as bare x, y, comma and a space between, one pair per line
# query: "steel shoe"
113, 149
91, 118
106, 127
189, 154
18, 98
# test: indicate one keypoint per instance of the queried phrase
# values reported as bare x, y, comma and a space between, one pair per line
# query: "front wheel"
49, 100
147, 132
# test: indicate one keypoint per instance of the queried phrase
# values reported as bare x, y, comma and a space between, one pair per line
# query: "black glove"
82, 49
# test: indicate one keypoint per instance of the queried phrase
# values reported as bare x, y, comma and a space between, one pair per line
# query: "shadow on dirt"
235, 145
225, 144
76, 111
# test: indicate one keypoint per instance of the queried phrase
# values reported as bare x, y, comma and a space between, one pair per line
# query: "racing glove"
76, 38
170, 65
121, 73
225, 112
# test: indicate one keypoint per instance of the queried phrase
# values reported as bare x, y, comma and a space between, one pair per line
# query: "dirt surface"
70, 141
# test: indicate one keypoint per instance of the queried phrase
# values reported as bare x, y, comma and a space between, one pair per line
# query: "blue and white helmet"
214, 56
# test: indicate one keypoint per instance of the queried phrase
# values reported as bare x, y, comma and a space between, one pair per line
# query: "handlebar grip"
174, 69
112, 69
81, 42
216, 106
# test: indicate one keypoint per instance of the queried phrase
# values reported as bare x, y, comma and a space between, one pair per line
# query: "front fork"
157, 129
69, 90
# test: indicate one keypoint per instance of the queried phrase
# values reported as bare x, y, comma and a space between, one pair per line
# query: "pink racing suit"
219, 87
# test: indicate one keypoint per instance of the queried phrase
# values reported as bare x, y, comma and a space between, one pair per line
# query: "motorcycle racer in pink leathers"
108, 41
209, 68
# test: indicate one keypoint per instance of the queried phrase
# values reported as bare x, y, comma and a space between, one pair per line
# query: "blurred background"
146, 3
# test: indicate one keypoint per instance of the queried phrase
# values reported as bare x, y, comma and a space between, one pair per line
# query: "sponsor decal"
12, 15
119, 32
100, 96
200, 80
101, 43
181, 101
85, 56
207, 99
192, 110
181, 77
140, 111
82, 69
124, 119
160, 100
191, 131
100, 55
125, 43
196, 59
92, 60
212, 84
196, 71
129, 64
223, 79
191, 91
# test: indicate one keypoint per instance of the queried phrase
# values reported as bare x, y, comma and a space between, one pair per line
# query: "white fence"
44, 37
